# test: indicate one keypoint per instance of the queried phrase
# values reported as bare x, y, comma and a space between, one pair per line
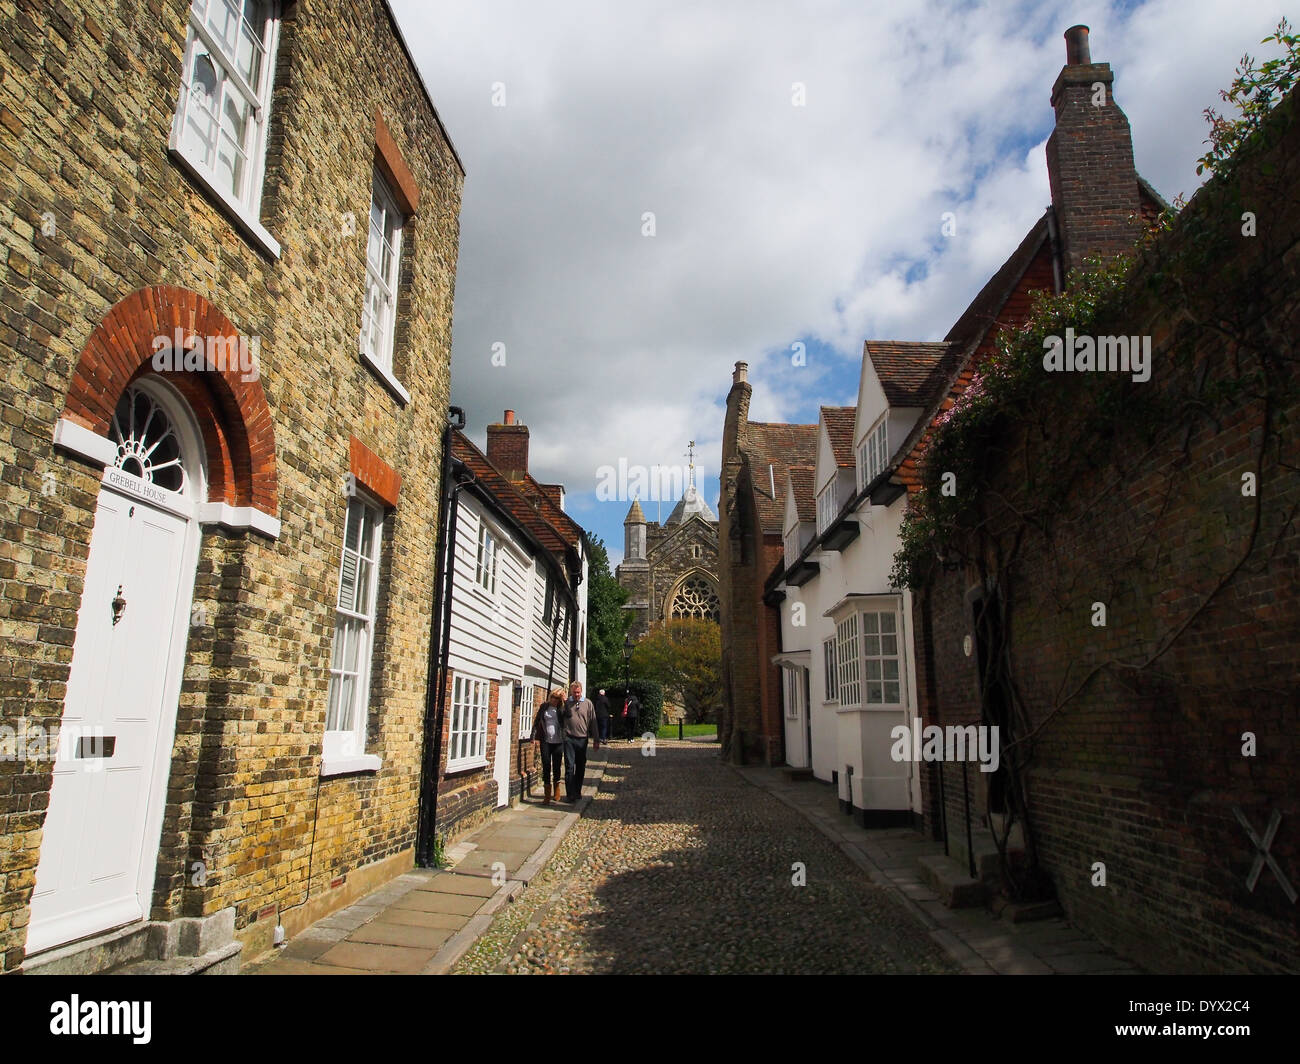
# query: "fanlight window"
147, 444
696, 598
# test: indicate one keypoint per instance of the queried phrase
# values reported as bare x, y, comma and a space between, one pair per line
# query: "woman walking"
548, 729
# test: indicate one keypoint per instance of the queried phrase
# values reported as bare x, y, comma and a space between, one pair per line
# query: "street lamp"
627, 677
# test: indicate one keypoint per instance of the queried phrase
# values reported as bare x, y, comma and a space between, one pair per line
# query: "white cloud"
774, 222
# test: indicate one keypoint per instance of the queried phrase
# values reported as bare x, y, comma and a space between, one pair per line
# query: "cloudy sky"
797, 165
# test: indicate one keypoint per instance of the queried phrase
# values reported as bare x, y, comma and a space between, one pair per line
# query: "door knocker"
119, 606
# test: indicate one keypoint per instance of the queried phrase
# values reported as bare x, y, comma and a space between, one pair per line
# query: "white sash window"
383, 257
467, 745
349, 692
225, 99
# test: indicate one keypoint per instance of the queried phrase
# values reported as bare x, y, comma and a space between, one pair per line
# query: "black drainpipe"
555, 638
439, 647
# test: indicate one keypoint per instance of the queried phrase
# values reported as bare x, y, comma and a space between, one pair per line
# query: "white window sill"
874, 707
386, 375
465, 766
341, 766
244, 221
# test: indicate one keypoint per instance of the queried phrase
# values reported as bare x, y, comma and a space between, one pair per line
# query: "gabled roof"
984, 309
839, 427
1004, 301
778, 446
546, 505
511, 501
801, 487
911, 374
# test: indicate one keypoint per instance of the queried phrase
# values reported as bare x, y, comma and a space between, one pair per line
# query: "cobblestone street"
681, 866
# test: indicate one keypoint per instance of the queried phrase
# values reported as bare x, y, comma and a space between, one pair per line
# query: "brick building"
756, 457
230, 236
1150, 749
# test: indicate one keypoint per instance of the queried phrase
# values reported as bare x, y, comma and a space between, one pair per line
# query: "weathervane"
690, 454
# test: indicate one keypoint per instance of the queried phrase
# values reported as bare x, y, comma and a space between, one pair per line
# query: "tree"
607, 621
685, 656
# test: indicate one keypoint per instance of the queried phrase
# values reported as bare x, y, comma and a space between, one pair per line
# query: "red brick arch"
233, 415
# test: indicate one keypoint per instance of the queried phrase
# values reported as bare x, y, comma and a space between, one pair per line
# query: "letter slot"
96, 745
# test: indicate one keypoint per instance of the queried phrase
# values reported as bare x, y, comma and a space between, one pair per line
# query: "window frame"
344, 749
791, 546
831, 677
470, 694
380, 353
487, 560
873, 452
527, 709
242, 205
881, 635
793, 692
848, 659
827, 505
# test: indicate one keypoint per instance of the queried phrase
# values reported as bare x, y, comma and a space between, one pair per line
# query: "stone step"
949, 880
221, 961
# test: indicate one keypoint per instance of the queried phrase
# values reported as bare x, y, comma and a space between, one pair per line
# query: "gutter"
439, 645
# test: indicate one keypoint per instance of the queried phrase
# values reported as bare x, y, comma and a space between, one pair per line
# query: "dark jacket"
633, 708
539, 732
602, 707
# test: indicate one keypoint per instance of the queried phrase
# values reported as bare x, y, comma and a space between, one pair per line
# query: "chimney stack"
1090, 161
741, 373
1077, 52
507, 447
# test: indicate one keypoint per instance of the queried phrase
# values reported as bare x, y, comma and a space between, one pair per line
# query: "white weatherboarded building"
848, 662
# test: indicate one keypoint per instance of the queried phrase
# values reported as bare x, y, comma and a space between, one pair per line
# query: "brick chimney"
1090, 160
507, 447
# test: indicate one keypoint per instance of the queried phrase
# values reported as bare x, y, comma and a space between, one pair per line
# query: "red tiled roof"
839, 427
1004, 302
911, 374
510, 499
779, 446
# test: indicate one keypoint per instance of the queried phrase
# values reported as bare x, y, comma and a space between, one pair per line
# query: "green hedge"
649, 692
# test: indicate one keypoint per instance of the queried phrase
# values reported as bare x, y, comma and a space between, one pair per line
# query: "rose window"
696, 598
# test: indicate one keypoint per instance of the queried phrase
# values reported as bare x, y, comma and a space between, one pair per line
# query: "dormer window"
827, 506
873, 453
791, 546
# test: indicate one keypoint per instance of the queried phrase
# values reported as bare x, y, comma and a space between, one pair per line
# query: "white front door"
100, 842
505, 741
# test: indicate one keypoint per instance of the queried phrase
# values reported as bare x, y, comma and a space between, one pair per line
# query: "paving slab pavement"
423, 921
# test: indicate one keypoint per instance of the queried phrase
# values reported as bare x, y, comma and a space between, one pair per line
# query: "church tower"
634, 534
670, 569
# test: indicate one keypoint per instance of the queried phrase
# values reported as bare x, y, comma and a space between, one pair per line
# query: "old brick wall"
1144, 771
86, 104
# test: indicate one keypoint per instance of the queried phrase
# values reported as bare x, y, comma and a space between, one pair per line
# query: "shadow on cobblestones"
686, 868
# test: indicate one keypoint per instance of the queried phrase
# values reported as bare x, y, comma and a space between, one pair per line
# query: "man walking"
579, 726
602, 715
